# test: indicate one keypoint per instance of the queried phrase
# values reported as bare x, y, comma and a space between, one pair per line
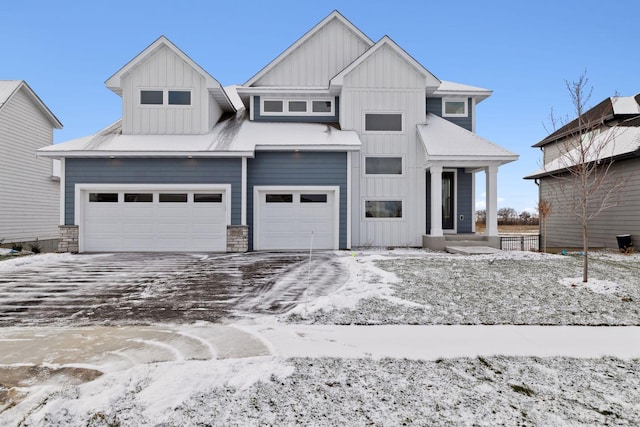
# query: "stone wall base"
68, 238
237, 238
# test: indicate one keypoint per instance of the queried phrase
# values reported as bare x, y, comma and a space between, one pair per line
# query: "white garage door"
154, 221
293, 219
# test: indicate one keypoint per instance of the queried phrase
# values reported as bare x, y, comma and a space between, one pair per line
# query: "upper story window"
454, 107
165, 97
376, 165
296, 107
383, 122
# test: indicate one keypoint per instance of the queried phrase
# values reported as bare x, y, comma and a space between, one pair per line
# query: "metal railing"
529, 242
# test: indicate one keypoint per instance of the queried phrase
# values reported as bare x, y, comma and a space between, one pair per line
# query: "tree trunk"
585, 251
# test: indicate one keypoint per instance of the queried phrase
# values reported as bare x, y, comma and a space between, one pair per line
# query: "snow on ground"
522, 288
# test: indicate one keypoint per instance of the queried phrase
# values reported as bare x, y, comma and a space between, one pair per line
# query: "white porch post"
436, 201
492, 200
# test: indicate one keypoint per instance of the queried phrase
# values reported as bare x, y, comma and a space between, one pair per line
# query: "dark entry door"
448, 197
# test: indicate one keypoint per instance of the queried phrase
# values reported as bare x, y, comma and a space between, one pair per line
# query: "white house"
340, 141
29, 193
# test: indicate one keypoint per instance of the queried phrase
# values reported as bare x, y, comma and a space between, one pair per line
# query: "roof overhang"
457, 89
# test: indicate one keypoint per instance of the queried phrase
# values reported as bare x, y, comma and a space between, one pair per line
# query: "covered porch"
453, 158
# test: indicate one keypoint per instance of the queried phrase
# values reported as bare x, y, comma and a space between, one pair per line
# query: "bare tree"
586, 182
506, 214
544, 210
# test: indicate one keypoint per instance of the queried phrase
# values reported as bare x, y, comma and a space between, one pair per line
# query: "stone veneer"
68, 238
237, 238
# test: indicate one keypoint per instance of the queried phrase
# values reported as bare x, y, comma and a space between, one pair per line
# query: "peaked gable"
9, 88
307, 63
378, 76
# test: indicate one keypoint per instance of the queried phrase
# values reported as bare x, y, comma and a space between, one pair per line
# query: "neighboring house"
615, 122
338, 142
29, 193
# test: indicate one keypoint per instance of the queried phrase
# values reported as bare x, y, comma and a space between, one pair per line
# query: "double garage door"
153, 220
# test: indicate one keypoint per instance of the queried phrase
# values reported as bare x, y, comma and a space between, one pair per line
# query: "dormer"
456, 103
164, 92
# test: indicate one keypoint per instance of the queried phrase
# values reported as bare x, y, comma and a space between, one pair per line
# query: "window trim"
379, 132
165, 97
464, 100
285, 107
383, 199
383, 175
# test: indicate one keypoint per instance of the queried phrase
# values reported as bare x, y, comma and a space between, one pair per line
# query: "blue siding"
301, 168
257, 117
153, 171
434, 105
464, 200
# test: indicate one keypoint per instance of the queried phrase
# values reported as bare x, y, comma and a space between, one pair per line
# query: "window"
207, 198
173, 198
383, 209
279, 198
103, 197
454, 107
322, 106
138, 197
313, 198
151, 97
179, 97
270, 106
383, 165
383, 122
297, 106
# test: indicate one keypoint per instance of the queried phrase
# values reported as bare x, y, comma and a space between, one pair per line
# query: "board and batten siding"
29, 198
298, 169
563, 231
386, 83
164, 70
434, 106
309, 65
153, 171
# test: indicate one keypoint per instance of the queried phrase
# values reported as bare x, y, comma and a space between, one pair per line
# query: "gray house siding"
434, 106
290, 168
563, 231
153, 171
464, 201
257, 117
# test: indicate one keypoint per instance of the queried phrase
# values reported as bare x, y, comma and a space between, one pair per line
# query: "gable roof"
333, 15
452, 89
431, 81
214, 87
8, 88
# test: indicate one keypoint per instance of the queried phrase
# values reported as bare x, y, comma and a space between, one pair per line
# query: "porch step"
472, 250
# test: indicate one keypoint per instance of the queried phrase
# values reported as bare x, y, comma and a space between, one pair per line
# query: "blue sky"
522, 50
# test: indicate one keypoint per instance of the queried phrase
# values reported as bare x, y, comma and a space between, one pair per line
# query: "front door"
448, 197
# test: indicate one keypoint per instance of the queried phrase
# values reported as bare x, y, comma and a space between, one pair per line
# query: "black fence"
530, 242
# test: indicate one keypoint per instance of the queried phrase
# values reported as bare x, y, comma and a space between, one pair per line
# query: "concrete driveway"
143, 289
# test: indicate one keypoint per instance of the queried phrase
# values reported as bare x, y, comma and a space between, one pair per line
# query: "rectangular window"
138, 197
151, 97
173, 198
321, 106
297, 106
454, 108
103, 197
313, 198
383, 209
279, 198
272, 106
179, 97
207, 198
383, 122
383, 165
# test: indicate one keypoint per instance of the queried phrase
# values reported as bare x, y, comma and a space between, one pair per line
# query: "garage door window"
207, 198
313, 198
103, 197
138, 197
383, 209
173, 198
279, 198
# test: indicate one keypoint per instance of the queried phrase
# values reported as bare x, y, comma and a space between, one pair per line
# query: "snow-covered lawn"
518, 288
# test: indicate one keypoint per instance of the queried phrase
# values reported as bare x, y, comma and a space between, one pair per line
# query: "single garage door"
292, 219
154, 221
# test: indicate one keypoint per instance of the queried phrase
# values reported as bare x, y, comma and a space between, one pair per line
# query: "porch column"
492, 200
436, 201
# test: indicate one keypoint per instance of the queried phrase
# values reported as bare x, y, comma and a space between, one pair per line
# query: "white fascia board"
307, 148
149, 154
282, 90
470, 161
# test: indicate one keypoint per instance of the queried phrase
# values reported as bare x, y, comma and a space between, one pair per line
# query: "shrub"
16, 247
35, 247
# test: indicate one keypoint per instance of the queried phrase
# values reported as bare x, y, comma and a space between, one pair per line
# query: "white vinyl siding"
166, 71
310, 65
29, 199
386, 83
